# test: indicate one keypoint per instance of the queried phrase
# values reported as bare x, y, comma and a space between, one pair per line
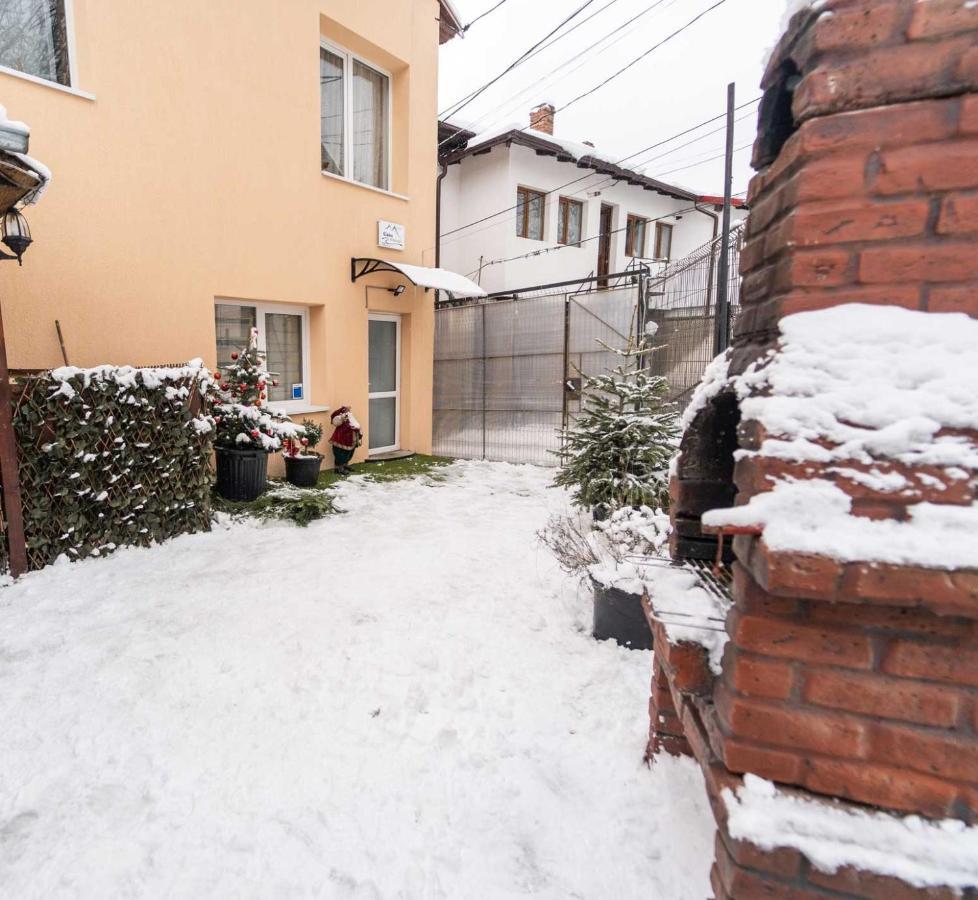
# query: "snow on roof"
860, 382
439, 279
923, 853
815, 517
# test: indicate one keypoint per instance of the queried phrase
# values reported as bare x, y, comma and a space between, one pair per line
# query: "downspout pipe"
442, 172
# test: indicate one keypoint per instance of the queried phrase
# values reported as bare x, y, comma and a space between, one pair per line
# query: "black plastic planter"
303, 471
619, 616
241, 474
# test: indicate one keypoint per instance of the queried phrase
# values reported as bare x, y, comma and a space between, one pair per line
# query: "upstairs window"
354, 128
34, 38
571, 215
635, 231
663, 241
529, 214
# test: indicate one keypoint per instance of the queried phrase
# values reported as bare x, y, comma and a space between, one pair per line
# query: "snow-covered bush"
112, 455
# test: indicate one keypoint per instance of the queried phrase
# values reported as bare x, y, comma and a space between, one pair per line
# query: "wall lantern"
397, 291
16, 235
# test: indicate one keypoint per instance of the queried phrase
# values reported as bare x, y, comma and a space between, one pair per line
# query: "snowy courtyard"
400, 702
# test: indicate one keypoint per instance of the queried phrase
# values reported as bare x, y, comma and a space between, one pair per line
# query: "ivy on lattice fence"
112, 456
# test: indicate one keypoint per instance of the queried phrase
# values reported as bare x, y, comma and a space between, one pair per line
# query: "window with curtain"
529, 214
332, 112
34, 38
354, 118
635, 230
570, 217
281, 337
663, 241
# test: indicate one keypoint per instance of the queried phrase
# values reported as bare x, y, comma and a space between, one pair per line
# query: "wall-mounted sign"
296, 391
390, 235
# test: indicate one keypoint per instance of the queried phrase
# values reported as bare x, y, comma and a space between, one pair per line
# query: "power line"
587, 60
551, 249
642, 56
483, 15
455, 107
591, 174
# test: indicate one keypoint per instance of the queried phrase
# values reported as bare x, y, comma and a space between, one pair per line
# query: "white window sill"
13, 73
367, 187
297, 410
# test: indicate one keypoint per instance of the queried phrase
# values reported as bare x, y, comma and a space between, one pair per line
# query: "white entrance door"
385, 382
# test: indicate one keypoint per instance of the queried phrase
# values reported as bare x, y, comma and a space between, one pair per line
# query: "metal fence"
508, 370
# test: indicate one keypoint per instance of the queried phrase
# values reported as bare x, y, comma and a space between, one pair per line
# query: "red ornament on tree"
234, 354
255, 433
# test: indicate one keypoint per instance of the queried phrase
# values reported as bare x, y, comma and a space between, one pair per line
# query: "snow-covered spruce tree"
617, 454
241, 413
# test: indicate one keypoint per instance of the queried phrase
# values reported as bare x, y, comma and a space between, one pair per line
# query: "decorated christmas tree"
617, 453
241, 411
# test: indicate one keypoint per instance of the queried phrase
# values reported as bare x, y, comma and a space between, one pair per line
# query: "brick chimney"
542, 118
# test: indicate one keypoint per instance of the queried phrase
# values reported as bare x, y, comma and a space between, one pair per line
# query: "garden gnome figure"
347, 436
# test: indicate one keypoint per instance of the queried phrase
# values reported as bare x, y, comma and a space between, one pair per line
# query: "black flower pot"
619, 616
241, 474
303, 471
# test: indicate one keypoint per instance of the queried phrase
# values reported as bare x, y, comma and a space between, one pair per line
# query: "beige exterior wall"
194, 174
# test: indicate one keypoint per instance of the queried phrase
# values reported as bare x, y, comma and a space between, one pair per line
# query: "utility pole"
721, 334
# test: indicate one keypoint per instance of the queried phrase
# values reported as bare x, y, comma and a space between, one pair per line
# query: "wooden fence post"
9, 471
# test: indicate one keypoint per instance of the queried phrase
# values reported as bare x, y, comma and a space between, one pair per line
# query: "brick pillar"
856, 681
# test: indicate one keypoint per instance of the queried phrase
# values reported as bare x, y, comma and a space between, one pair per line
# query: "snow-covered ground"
401, 702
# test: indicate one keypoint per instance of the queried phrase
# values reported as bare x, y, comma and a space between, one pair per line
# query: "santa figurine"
347, 436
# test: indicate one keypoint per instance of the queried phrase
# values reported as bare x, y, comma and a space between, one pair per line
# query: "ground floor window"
571, 215
663, 241
283, 334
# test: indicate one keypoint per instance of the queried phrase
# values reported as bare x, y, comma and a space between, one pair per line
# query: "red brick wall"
848, 680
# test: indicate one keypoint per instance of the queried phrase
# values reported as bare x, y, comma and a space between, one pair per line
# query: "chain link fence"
507, 371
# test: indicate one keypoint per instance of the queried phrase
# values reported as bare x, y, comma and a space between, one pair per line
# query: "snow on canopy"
439, 279
921, 852
39, 169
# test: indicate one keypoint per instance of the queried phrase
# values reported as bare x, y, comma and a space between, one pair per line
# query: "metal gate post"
564, 408
484, 373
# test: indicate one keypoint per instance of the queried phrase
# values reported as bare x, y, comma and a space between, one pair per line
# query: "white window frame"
261, 307
348, 57
396, 393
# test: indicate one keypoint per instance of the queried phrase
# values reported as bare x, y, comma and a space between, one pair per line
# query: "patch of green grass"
392, 470
304, 505
281, 501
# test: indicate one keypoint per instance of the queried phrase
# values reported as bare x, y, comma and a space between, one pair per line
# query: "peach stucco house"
218, 166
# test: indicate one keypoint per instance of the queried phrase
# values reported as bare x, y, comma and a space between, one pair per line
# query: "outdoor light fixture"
16, 235
397, 291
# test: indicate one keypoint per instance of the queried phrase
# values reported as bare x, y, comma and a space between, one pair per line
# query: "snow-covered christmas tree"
241, 411
617, 453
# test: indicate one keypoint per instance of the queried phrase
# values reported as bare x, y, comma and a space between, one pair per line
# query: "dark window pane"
331, 113
283, 343
233, 324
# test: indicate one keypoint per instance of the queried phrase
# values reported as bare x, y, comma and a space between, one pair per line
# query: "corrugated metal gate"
507, 370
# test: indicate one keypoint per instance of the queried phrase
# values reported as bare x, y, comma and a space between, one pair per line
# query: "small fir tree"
241, 411
617, 454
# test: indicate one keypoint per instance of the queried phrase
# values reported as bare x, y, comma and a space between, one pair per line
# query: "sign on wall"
390, 235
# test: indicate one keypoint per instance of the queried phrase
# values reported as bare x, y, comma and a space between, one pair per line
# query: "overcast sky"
676, 86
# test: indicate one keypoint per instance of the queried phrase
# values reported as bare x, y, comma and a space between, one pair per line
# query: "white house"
589, 215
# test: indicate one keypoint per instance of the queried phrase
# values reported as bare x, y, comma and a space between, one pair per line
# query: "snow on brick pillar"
851, 670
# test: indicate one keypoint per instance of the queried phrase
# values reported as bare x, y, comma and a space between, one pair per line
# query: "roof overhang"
422, 276
22, 179
449, 22
544, 147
